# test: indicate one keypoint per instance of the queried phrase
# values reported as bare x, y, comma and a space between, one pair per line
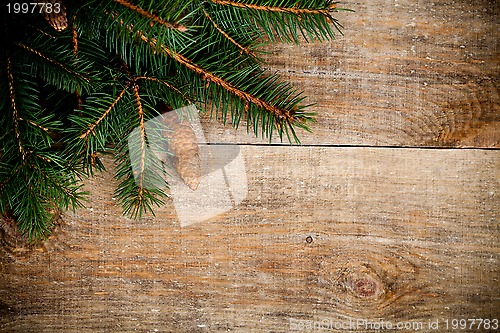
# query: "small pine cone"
55, 13
183, 145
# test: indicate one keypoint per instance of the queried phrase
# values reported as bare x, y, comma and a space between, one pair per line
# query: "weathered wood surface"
398, 234
405, 73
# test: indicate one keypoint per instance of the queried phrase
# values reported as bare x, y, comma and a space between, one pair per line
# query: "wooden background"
389, 211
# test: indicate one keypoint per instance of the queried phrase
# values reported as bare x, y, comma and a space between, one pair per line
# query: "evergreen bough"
74, 84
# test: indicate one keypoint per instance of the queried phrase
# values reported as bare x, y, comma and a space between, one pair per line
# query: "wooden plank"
406, 73
335, 234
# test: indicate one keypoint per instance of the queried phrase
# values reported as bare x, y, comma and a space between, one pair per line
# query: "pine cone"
56, 15
183, 145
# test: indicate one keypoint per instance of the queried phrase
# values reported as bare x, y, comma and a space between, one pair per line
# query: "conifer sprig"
77, 84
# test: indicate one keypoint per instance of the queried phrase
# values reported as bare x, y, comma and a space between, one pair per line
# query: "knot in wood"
365, 286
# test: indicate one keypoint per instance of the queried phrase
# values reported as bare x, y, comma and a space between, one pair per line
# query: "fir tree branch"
170, 51
296, 11
105, 113
152, 17
225, 34
15, 112
52, 61
280, 113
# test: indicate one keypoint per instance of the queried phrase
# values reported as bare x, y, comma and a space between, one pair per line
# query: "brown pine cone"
55, 13
183, 145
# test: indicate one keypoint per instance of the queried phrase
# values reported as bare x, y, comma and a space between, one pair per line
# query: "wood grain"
405, 73
324, 234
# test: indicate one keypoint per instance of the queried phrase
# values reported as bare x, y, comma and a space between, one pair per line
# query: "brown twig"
108, 110
58, 64
74, 37
296, 11
140, 113
225, 34
74, 41
154, 79
152, 17
45, 129
15, 113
